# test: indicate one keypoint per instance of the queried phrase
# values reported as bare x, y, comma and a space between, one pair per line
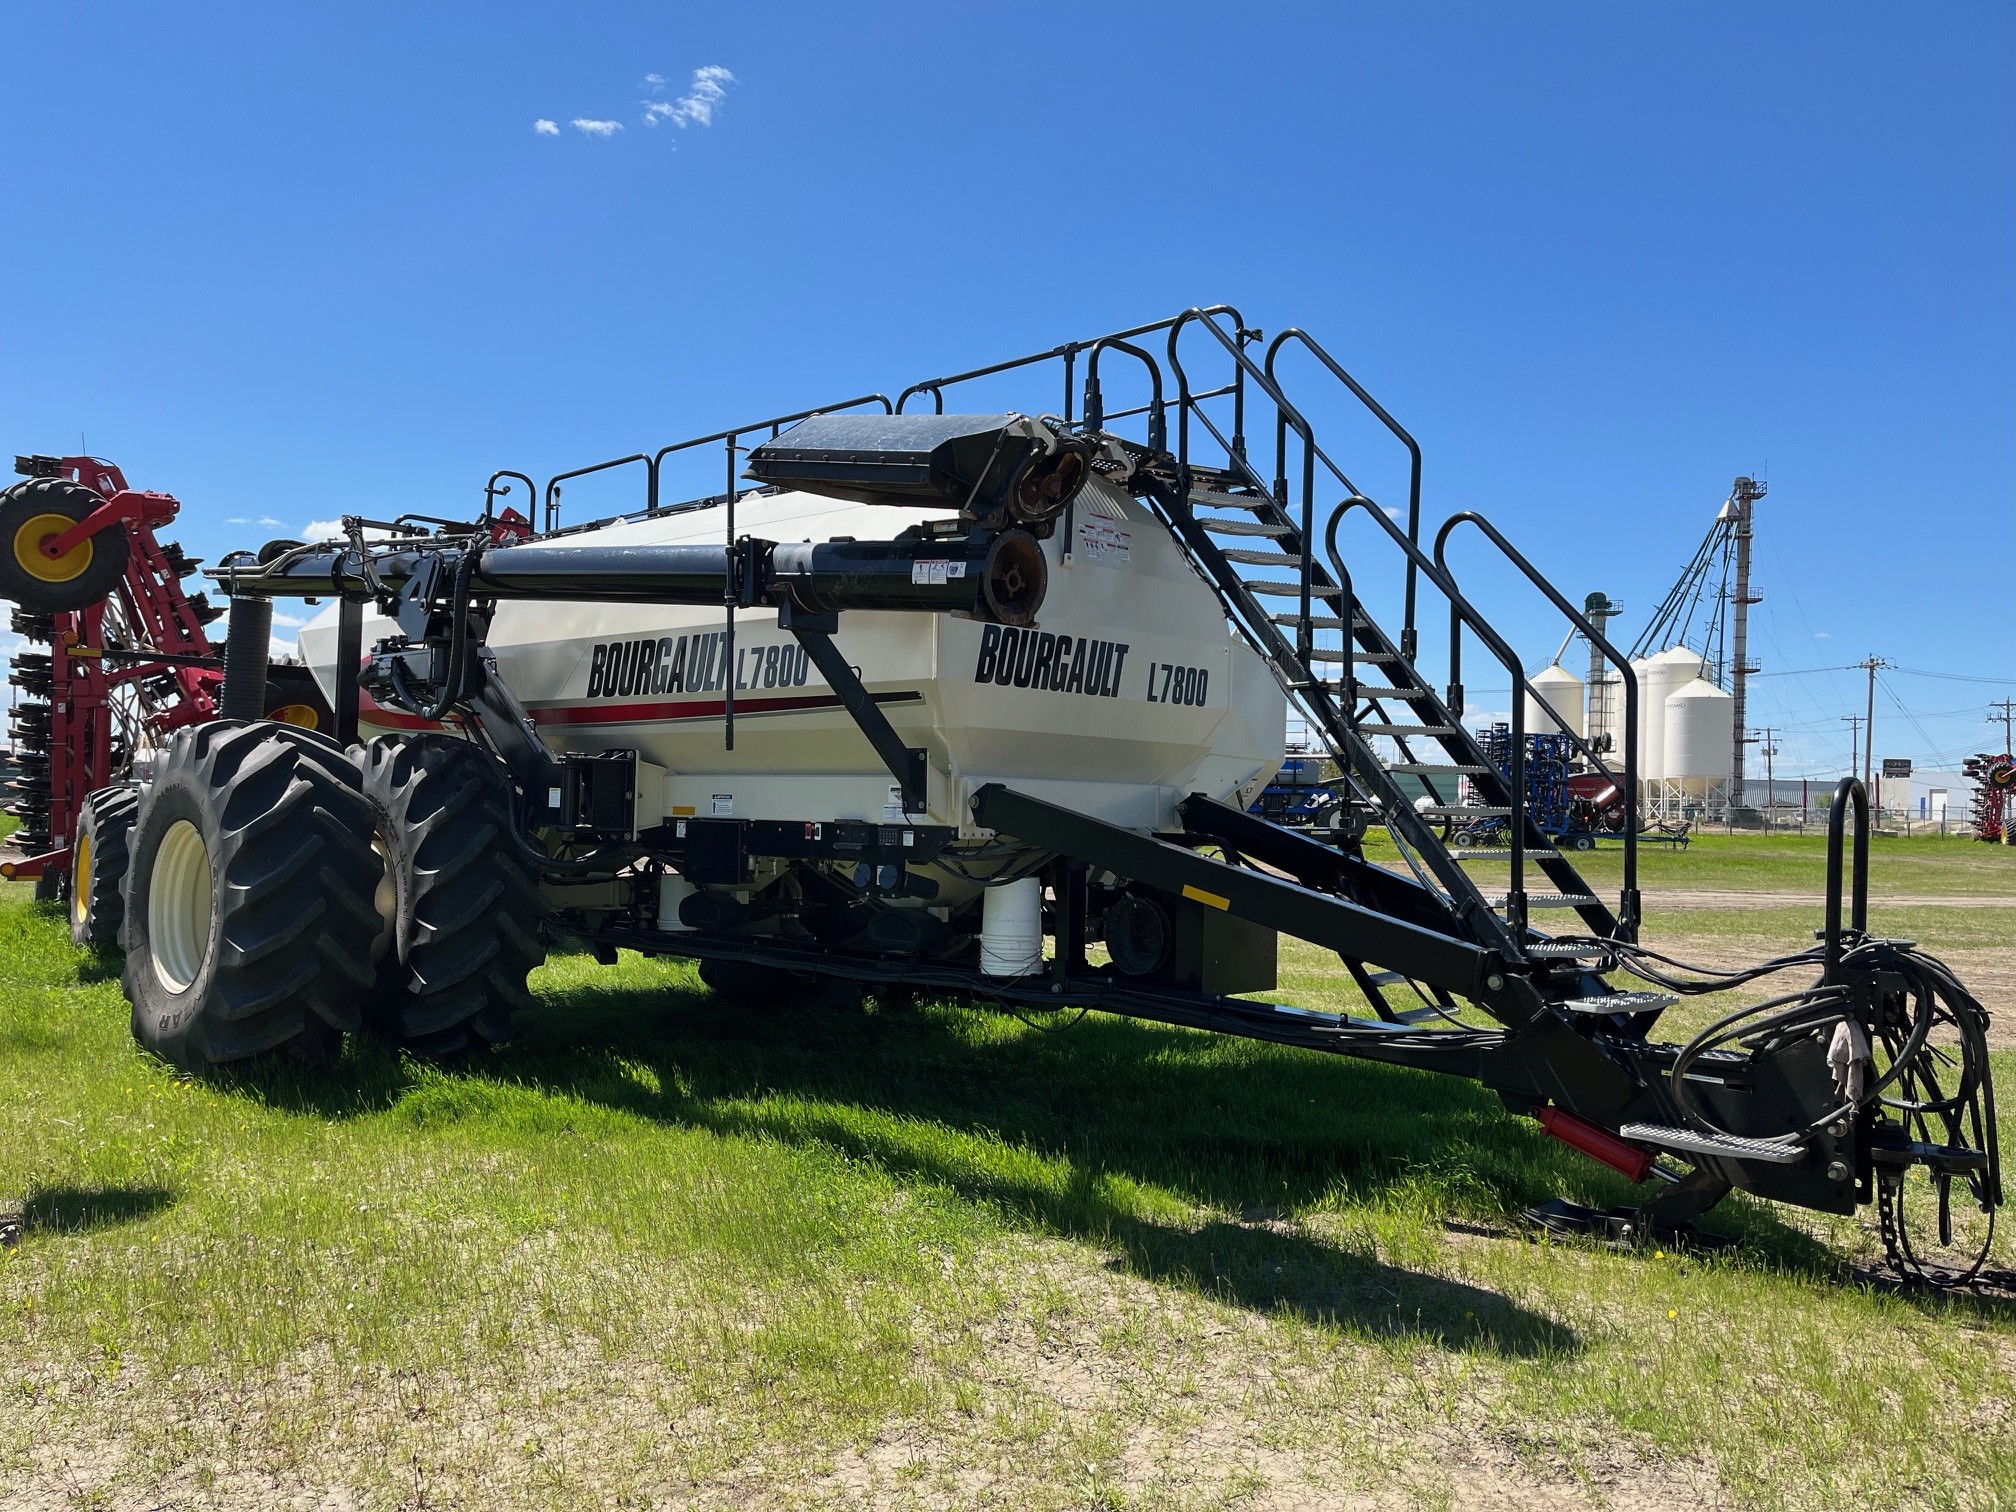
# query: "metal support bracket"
906, 764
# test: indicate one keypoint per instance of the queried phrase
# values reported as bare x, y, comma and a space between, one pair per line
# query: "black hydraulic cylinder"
248, 647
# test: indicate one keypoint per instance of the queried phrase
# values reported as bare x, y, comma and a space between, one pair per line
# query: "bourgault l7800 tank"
1129, 693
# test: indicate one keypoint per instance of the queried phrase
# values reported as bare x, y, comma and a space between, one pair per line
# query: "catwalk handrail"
1316, 350
1629, 787
1460, 606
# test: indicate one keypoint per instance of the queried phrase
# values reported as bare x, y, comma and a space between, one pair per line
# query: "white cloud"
268, 520
545, 127
238, 520
1822, 634
602, 129
697, 106
289, 621
654, 79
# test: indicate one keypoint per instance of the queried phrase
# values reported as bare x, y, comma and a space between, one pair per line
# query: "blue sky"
290, 261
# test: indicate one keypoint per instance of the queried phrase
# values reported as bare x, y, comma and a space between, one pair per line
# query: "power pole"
1870, 664
1745, 493
1768, 748
2006, 712
1854, 723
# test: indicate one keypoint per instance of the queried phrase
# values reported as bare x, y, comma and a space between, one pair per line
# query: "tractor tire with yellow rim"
32, 513
98, 864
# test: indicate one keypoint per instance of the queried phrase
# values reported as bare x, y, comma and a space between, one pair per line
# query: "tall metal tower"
1601, 725
1708, 610
1742, 495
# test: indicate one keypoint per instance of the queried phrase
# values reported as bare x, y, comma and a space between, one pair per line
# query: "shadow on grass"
74, 1210
937, 1094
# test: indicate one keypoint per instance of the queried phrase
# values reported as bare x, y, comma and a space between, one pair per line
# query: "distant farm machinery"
124, 661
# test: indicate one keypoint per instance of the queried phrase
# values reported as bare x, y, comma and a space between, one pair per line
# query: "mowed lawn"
668, 1252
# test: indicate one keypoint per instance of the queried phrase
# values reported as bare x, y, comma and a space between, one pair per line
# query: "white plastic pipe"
1011, 929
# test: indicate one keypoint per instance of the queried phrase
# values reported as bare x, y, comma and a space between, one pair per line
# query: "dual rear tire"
282, 892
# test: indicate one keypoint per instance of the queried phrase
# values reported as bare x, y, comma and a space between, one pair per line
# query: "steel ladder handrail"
1557, 868
1630, 915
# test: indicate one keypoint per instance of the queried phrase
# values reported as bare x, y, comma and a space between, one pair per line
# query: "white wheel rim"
178, 906
80, 879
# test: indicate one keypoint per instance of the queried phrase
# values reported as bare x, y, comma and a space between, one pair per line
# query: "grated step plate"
1246, 528
1607, 1003
1435, 769
1210, 498
1276, 589
1698, 1142
1463, 811
1253, 558
1468, 854
1372, 727
1321, 621
1544, 900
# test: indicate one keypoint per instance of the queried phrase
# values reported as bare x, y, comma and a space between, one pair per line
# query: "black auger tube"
248, 646
1001, 577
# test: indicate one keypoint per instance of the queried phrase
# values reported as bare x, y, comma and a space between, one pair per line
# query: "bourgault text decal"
1020, 658
691, 664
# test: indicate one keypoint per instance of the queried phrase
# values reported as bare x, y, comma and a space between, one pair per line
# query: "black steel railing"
1628, 786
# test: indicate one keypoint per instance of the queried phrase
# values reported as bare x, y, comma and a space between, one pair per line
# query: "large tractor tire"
98, 865
249, 897
31, 512
466, 910
293, 697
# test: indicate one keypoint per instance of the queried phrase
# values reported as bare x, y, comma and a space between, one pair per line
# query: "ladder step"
1211, 498
1268, 559
1245, 527
1371, 727
1562, 950
1385, 979
1698, 1142
1618, 1002
1319, 621
1463, 811
1363, 658
1465, 853
1293, 590
1436, 769
1544, 900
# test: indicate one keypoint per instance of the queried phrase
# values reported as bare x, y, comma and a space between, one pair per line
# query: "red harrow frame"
128, 660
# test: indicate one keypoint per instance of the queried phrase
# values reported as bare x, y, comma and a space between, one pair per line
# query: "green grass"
667, 1251
1926, 866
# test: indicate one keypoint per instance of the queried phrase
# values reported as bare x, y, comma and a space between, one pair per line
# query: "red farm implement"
119, 656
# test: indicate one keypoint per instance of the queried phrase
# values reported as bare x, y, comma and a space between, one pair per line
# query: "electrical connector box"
607, 795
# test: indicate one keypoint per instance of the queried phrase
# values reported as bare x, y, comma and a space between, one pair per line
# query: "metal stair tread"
1496, 853
1211, 498
1277, 589
1253, 558
1375, 727
1561, 950
1617, 1002
1325, 622
1699, 1142
1436, 769
1245, 527
1464, 811
1544, 900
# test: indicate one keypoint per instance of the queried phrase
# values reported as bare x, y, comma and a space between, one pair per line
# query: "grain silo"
1700, 736
1558, 689
1658, 675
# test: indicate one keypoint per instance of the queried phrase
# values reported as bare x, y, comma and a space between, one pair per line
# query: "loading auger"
286, 886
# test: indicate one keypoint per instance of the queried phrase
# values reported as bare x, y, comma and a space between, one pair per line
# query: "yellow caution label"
682, 810
1201, 896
